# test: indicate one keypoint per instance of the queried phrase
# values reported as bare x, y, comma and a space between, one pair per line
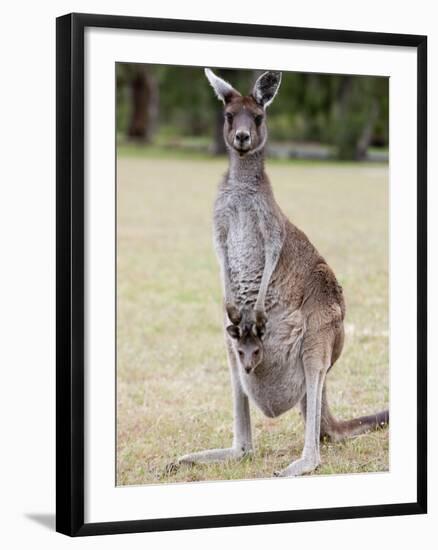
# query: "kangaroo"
246, 340
269, 266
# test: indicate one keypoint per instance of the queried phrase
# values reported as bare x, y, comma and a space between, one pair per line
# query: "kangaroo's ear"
233, 331
266, 88
224, 91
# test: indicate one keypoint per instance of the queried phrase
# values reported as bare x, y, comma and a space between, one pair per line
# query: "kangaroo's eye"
258, 119
240, 353
229, 117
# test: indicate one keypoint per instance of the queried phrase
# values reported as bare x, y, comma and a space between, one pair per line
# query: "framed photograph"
241, 274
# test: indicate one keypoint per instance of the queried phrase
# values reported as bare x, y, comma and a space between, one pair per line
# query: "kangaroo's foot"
299, 467
216, 455
210, 456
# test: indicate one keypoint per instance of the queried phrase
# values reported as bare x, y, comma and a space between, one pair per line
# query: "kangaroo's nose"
242, 136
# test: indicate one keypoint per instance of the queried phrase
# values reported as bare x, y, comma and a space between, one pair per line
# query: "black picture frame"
70, 272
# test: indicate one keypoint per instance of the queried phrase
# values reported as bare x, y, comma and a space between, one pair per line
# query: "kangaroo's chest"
244, 246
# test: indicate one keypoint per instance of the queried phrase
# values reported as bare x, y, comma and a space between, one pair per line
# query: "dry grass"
173, 391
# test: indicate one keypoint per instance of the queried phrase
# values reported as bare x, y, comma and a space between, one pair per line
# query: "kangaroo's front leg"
220, 240
315, 374
273, 235
242, 439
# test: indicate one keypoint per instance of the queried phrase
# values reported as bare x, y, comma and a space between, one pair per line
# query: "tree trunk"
345, 138
144, 105
345, 93
367, 132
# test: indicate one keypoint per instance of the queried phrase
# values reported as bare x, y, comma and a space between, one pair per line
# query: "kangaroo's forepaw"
234, 314
260, 316
260, 321
298, 468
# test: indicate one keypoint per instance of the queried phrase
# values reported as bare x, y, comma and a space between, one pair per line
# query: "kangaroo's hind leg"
315, 369
242, 439
328, 423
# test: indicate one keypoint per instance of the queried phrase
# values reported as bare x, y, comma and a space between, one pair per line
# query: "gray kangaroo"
246, 340
269, 265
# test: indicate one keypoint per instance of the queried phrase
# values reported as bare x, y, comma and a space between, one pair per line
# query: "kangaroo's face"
244, 125
247, 345
250, 353
245, 116
246, 338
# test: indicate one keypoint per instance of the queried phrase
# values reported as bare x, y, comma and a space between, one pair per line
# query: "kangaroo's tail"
340, 429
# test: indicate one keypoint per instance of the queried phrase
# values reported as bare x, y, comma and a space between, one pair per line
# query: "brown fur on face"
244, 125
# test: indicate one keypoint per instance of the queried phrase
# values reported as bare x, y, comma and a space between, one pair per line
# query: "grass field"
173, 390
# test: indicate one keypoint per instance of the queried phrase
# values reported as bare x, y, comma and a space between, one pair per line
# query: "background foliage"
342, 116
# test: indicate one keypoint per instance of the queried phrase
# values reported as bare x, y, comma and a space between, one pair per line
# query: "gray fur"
270, 267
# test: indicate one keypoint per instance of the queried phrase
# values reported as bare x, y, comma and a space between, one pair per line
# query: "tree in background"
143, 101
348, 113
359, 105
